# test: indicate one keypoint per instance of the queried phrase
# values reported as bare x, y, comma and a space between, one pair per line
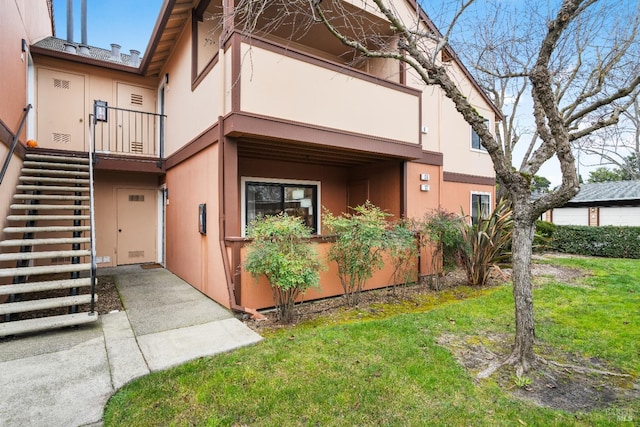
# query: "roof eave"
84, 60
158, 29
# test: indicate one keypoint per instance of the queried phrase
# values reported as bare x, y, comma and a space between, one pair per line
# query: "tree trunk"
522, 356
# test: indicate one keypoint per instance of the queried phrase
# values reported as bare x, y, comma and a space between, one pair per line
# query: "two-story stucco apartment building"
207, 130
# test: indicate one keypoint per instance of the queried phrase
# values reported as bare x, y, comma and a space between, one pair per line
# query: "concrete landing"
65, 377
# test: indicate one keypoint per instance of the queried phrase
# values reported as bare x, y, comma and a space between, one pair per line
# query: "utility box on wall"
202, 219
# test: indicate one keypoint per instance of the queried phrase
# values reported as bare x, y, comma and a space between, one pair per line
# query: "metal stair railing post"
14, 142
92, 121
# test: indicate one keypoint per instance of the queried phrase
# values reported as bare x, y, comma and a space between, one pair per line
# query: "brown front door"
137, 225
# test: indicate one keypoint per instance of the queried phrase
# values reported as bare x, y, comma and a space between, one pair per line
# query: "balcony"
290, 85
124, 132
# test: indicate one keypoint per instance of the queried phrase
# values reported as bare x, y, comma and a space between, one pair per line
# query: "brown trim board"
199, 143
431, 158
243, 125
468, 179
148, 165
6, 137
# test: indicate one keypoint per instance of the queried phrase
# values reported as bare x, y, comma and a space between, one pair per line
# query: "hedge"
608, 241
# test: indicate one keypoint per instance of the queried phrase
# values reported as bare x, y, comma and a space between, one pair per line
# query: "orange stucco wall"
257, 294
421, 202
106, 212
456, 196
194, 257
21, 19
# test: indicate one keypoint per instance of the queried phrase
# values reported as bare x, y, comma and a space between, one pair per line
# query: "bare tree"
617, 147
501, 52
572, 96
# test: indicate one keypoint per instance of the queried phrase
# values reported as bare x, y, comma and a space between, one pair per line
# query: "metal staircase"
50, 230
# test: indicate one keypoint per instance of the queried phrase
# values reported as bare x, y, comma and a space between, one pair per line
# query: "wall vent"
136, 197
61, 138
61, 84
136, 99
136, 147
136, 254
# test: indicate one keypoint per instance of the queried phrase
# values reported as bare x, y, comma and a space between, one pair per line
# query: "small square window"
475, 138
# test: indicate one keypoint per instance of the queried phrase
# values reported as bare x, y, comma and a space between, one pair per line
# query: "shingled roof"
615, 192
59, 47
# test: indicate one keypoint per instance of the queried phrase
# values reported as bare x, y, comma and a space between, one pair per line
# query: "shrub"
402, 248
280, 252
360, 240
543, 237
607, 241
485, 243
442, 229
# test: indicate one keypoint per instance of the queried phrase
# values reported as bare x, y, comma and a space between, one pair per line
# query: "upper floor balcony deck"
273, 80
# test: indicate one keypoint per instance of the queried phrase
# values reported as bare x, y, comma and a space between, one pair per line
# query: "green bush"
543, 238
281, 252
485, 243
443, 230
608, 241
402, 248
360, 241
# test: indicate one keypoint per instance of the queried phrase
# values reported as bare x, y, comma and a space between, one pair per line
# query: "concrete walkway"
65, 377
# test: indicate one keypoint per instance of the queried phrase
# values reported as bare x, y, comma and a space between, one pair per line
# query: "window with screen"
271, 198
480, 206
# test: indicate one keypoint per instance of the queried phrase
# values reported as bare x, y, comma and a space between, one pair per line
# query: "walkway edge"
163, 350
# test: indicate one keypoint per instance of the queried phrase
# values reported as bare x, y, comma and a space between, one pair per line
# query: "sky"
128, 23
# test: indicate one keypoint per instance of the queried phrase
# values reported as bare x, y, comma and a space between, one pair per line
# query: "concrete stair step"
49, 285
30, 187
45, 323
46, 217
17, 256
53, 229
43, 269
39, 207
52, 172
38, 242
48, 197
52, 158
44, 304
24, 178
51, 165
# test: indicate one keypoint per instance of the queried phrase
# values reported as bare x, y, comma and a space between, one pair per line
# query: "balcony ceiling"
299, 152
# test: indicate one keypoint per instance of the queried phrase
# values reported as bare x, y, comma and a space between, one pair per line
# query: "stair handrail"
94, 266
14, 142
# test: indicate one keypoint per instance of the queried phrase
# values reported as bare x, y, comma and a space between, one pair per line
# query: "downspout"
221, 215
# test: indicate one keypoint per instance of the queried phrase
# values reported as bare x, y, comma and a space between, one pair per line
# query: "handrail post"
161, 141
94, 267
14, 142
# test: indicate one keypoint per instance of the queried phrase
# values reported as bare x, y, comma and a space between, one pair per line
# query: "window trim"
472, 133
477, 193
243, 197
197, 14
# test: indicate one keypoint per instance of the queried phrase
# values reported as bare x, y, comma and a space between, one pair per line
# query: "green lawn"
385, 368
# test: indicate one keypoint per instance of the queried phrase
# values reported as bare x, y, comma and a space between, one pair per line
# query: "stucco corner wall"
194, 257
